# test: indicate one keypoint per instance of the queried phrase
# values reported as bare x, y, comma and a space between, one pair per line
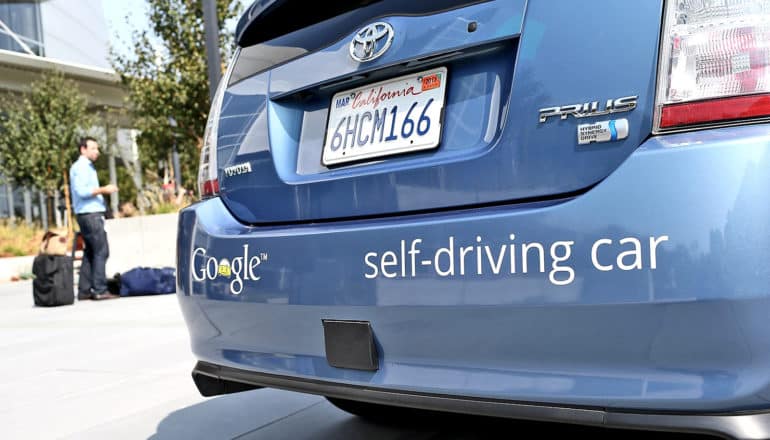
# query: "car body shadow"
276, 414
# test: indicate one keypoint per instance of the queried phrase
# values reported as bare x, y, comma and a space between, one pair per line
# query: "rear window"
274, 34
266, 21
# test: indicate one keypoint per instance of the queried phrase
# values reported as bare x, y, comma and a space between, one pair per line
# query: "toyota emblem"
371, 42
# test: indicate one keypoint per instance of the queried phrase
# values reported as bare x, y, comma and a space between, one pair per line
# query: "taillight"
714, 63
208, 183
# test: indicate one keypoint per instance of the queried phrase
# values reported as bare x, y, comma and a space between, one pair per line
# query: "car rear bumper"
750, 425
682, 328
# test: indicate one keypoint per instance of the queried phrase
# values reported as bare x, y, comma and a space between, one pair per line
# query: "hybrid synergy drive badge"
602, 131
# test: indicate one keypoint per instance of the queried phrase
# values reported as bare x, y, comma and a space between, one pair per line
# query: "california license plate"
390, 117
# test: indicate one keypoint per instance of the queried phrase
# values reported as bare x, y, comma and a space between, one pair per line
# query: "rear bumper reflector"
715, 110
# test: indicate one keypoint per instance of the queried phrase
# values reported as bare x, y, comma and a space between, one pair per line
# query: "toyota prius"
547, 210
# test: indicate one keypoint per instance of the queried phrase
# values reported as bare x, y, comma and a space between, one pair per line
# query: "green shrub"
163, 201
19, 239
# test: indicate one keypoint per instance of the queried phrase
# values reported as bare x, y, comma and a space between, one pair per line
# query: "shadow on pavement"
273, 414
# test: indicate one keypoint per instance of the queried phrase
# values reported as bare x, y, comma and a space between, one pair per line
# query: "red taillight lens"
715, 63
210, 188
715, 110
208, 183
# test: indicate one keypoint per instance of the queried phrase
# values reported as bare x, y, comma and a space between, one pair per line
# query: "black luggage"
53, 283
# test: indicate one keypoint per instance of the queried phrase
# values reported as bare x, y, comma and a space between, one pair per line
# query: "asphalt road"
120, 369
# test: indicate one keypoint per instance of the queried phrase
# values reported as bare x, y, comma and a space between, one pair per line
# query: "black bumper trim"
754, 425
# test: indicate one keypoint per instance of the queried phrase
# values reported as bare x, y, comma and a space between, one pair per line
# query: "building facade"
70, 36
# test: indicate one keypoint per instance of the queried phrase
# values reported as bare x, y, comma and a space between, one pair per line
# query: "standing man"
88, 203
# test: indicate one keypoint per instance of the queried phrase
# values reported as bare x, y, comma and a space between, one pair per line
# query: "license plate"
390, 117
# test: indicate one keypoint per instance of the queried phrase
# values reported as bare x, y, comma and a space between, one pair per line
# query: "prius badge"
371, 42
587, 109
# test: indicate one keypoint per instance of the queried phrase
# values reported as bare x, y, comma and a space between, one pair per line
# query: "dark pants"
92, 276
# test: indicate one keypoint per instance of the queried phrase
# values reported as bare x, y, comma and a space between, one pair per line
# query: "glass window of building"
23, 19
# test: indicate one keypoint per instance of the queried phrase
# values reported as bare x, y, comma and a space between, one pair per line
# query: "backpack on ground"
53, 283
54, 242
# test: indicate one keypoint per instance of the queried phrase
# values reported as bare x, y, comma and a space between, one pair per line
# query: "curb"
14, 266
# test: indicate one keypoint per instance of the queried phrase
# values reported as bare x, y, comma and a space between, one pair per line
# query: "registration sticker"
430, 82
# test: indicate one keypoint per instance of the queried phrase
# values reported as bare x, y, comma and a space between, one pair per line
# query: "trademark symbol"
263, 256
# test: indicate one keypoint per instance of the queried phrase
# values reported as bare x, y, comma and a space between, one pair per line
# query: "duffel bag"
148, 281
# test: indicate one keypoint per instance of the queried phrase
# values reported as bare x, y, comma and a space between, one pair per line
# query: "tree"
166, 77
39, 133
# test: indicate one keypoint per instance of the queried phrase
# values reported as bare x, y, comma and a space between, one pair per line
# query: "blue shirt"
83, 181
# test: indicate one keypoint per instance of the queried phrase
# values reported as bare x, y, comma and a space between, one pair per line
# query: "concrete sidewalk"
66, 371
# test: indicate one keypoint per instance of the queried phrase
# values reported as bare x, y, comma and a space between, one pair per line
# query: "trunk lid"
508, 64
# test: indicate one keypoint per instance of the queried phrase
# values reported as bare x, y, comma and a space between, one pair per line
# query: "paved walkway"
93, 368
120, 369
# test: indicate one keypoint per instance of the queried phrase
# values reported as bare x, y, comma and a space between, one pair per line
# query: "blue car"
548, 210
